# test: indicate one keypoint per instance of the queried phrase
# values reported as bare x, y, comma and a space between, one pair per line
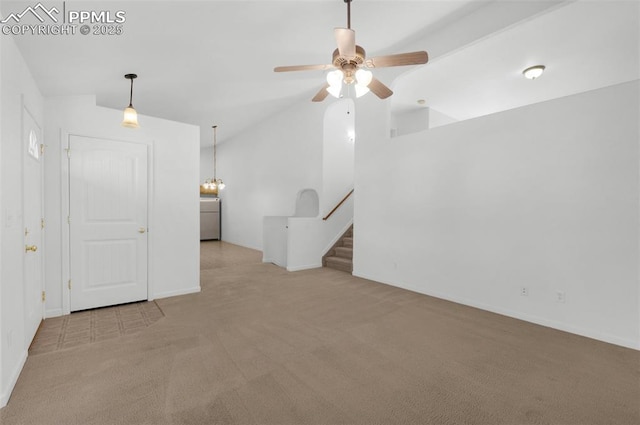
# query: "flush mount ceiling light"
130, 115
533, 72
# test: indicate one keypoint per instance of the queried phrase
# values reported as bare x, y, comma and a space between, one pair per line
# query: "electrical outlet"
560, 296
524, 291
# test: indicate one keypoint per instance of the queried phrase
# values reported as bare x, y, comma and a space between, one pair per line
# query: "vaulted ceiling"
211, 62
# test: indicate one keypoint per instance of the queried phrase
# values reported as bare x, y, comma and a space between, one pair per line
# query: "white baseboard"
305, 267
168, 294
56, 312
272, 261
6, 392
561, 326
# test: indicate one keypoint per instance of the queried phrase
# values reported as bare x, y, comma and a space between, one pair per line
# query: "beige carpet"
260, 345
87, 327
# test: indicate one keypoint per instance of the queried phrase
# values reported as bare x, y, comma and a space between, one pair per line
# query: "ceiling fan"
351, 66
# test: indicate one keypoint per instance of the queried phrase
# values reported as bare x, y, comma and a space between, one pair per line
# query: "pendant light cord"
131, 95
214, 153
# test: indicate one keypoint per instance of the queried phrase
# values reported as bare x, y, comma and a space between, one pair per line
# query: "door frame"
26, 110
65, 199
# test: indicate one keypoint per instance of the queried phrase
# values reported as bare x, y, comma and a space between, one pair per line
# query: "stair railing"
337, 206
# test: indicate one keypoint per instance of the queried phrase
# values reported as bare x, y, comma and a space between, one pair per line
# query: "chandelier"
213, 185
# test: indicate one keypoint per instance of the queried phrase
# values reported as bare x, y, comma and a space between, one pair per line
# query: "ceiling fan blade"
379, 89
302, 68
322, 94
346, 40
402, 59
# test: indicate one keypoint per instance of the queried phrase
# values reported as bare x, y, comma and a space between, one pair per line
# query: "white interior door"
107, 222
33, 226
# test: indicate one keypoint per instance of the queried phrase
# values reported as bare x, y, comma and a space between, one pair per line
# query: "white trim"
4, 398
272, 261
150, 220
565, 327
56, 312
305, 267
192, 290
40, 163
65, 245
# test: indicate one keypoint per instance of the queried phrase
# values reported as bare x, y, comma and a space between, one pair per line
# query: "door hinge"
69, 219
68, 152
42, 147
42, 223
69, 284
44, 296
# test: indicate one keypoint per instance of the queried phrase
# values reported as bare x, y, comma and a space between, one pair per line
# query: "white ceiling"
211, 62
584, 45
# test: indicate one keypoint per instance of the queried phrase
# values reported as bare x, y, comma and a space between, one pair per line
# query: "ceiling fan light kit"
350, 66
130, 119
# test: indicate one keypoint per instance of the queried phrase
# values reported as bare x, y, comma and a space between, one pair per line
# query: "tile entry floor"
86, 327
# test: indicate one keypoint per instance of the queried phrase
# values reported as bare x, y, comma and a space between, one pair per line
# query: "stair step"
344, 252
347, 242
338, 263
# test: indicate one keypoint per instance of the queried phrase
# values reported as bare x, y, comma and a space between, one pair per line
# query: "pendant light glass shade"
130, 119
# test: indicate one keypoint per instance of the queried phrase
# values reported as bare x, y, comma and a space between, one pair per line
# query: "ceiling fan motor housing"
349, 65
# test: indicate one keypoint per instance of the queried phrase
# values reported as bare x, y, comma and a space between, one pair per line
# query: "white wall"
411, 121
3, 386
206, 163
265, 167
174, 209
16, 85
337, 153
543, 197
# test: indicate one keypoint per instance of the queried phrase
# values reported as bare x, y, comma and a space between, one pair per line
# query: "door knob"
31, 248
142, 230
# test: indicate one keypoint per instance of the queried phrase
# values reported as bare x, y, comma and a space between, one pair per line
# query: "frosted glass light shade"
335, 90
361, 90
363, 77
130, 118
533, 72
334, 78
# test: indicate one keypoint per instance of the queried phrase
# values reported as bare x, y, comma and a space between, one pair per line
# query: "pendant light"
215, 184
130, 115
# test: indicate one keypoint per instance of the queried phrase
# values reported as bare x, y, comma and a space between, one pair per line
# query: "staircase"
340, 256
